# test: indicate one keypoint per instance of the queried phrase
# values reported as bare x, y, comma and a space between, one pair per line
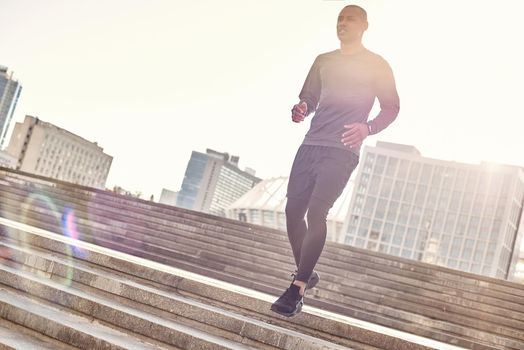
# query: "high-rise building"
9, 93
462, 216
265, 205
44, 149
213, 182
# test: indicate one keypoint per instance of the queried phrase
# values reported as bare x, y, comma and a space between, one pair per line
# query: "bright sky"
152, 80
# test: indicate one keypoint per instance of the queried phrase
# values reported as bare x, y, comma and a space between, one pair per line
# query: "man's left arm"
388, 98
387, 95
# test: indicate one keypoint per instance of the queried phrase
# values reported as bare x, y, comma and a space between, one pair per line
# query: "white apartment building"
44, 149
458, 215
265, 205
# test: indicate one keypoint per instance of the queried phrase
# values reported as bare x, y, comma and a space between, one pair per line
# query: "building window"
414, 171
409, 192
455, 247
479, 252
392, 211
269, 218
460, 180
455, 201
392, 167
409, 240
403, 169
471, 184
394, 251
406, 253
370, 206
387, 185
381, 209
437, 176
359, 242
397, 189
404, 214
426, 174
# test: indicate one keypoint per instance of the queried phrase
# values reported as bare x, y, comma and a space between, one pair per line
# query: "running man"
340, 90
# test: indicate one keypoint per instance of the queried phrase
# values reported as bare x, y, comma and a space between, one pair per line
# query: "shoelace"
290, 295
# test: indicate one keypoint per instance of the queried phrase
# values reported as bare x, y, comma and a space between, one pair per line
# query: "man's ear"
366, 26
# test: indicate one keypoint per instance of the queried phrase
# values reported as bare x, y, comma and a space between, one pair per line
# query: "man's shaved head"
363, 12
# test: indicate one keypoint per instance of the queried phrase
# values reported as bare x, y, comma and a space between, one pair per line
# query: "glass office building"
452, 214
194, 173
9, 93
213, 181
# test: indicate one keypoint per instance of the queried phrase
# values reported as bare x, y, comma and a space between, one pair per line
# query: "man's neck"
351, 48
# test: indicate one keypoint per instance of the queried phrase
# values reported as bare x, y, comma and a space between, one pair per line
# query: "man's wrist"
305, 104
370, 128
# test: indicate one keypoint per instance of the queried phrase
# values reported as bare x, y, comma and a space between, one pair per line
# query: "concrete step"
64, 326
249, 304
126, 318
15, 337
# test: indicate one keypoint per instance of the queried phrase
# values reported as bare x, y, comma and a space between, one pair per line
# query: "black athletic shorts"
321, 172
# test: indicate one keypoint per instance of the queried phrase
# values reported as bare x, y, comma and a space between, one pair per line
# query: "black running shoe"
312, 281
290, 303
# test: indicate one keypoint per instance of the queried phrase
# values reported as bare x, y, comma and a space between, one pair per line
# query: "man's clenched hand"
298, 113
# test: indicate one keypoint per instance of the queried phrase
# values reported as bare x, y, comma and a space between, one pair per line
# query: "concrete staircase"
365, 300
86, 296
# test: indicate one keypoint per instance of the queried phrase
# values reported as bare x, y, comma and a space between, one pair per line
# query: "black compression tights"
307, 240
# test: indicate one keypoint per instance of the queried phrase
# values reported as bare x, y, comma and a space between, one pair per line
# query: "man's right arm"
310, 92
299, 112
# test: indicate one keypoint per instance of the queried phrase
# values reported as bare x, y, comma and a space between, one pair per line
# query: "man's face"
351, 24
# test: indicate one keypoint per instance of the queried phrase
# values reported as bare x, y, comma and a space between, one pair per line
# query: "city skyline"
152, 81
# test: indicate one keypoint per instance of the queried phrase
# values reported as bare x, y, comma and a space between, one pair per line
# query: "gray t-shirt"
341, 90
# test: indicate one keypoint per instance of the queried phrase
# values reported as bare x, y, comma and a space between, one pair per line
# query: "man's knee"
318, 210
295, 208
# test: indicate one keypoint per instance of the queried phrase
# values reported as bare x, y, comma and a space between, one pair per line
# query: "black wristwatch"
370, 131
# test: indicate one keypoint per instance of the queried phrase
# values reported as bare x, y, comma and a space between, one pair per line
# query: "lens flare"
34, 208
69, 229
31, 205
5, 254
